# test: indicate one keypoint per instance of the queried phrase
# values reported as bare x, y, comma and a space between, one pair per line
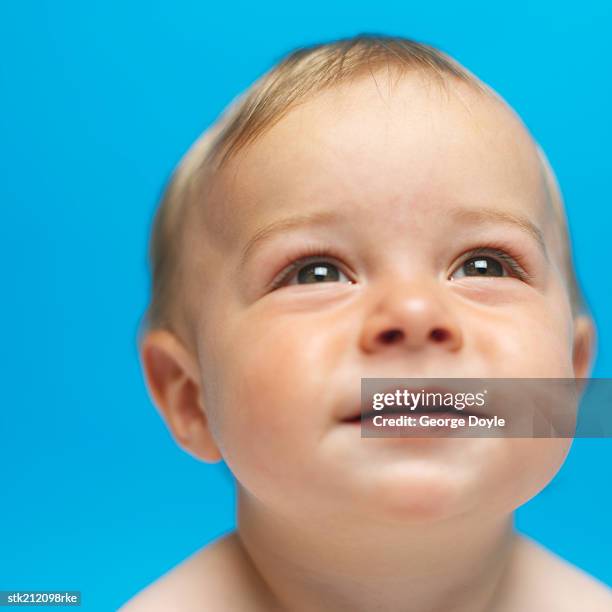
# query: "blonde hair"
301, 74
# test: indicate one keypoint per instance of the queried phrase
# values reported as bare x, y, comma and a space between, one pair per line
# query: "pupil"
318, 272
483, 266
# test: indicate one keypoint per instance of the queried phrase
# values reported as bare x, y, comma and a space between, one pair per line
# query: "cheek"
281, 365
273, 401
533, 342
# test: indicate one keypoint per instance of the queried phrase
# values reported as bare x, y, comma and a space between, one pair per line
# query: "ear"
173, 381
584, 346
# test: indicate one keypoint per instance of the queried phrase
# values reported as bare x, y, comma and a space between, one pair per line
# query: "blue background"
99, 100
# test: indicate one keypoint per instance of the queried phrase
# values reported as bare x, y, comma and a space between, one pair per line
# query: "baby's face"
377, 233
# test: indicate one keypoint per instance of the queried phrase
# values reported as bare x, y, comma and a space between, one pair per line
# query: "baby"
387, 174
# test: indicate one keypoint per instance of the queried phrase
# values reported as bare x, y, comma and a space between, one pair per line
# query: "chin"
420, 499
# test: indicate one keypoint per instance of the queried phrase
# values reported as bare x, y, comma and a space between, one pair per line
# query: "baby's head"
382, 171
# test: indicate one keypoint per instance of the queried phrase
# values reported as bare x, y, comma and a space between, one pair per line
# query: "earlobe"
584, 346
173, 381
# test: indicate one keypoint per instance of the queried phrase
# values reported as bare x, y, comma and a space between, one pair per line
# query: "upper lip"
353, 413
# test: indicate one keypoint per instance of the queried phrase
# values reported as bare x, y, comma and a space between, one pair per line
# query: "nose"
411, 316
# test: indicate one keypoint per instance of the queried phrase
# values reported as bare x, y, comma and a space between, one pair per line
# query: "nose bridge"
412, 313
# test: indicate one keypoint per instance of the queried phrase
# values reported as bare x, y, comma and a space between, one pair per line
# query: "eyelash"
512, 261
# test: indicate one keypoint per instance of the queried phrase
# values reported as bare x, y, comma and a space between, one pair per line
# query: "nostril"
391, 335
439, 335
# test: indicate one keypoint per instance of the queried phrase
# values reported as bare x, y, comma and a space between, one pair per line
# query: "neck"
323, 565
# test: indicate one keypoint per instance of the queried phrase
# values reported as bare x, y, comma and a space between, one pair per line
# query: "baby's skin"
393, 187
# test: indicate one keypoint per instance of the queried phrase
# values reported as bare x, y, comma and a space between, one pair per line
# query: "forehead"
402, 149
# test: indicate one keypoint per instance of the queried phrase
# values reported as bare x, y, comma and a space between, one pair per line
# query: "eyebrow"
475, 215
264, 234
487, 215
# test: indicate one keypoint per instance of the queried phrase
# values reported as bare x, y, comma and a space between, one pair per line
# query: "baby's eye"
489, 263
310, 272
315, 272
480, 266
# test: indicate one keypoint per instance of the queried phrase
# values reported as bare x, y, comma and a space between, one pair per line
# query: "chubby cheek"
531, 342
273, 400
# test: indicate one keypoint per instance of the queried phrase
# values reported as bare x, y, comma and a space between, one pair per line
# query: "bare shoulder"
544, 581
216, 577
